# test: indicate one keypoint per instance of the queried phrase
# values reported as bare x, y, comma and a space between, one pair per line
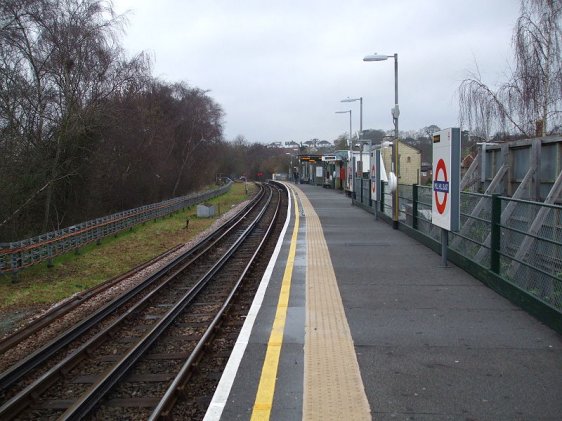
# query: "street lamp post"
395, 114
351, 153
360, 99
290, 175
345, 112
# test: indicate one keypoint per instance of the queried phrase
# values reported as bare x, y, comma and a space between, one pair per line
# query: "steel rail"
32, 327
22, 399
164, 407
93, 396
18, 370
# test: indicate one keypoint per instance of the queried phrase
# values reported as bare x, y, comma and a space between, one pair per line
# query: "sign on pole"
378, 175
350, 176
445, 203
373, 180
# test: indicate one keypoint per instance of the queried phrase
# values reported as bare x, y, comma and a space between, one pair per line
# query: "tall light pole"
395, 114
290, 175
345, 112
360, 99
291, 168
351, 153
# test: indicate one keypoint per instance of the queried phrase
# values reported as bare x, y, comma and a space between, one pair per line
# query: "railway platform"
354, 320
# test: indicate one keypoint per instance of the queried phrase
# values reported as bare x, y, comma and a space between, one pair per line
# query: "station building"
338, 169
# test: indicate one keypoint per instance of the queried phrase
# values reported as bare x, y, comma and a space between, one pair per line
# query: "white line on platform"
214, 412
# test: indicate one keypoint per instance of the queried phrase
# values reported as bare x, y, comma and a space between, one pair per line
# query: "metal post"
415, 206
378, 183
361, 135
353, 188
395, 203
360, 99
495, 233
350, 132
381, 197
371, 159
361, 179
292, 172
444, 244
361, 116
352, 161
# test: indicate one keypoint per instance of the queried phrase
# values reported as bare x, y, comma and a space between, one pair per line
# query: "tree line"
529, 102
85, 130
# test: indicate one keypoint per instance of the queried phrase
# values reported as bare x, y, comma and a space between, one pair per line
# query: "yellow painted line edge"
325, 290
222, 392
266, 388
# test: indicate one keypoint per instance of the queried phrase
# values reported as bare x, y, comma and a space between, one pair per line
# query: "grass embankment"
41, 286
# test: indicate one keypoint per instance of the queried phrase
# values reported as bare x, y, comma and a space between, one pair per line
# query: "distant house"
291, 144
324, 144
409, 165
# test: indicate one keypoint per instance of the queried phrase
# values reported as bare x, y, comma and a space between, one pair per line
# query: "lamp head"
350, 99
375, 57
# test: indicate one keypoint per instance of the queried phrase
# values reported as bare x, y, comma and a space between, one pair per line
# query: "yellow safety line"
266, 388
333, 388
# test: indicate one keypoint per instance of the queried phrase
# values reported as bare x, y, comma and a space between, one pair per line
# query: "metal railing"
518, 241
17, 255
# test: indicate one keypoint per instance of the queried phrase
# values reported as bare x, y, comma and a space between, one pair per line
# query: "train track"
134, 358
16, 338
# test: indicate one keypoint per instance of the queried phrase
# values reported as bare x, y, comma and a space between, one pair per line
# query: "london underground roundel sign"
446, 179
441, 185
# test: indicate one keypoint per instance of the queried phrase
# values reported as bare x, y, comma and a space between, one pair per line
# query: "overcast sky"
280, 68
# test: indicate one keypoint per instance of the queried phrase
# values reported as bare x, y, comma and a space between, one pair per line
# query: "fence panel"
17, 255
531, 249
529, 237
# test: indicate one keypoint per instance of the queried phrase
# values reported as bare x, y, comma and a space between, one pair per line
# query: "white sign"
373, 181
446, 179
319, 172
382, 172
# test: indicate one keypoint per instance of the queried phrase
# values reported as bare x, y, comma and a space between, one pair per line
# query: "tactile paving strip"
333, 389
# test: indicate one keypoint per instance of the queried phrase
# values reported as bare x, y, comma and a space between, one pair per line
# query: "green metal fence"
17, 255
513, 245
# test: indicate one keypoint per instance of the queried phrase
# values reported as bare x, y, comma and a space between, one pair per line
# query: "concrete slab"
447, 383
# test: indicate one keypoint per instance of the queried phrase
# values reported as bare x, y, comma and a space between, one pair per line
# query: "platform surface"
430, 343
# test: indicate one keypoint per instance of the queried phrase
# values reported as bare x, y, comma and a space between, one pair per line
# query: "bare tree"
531, 100
341, 143
60, 61
537, 39
428, 131
85, 131
199, 121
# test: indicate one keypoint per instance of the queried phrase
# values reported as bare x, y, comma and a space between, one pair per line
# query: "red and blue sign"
445, 204
441, 186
